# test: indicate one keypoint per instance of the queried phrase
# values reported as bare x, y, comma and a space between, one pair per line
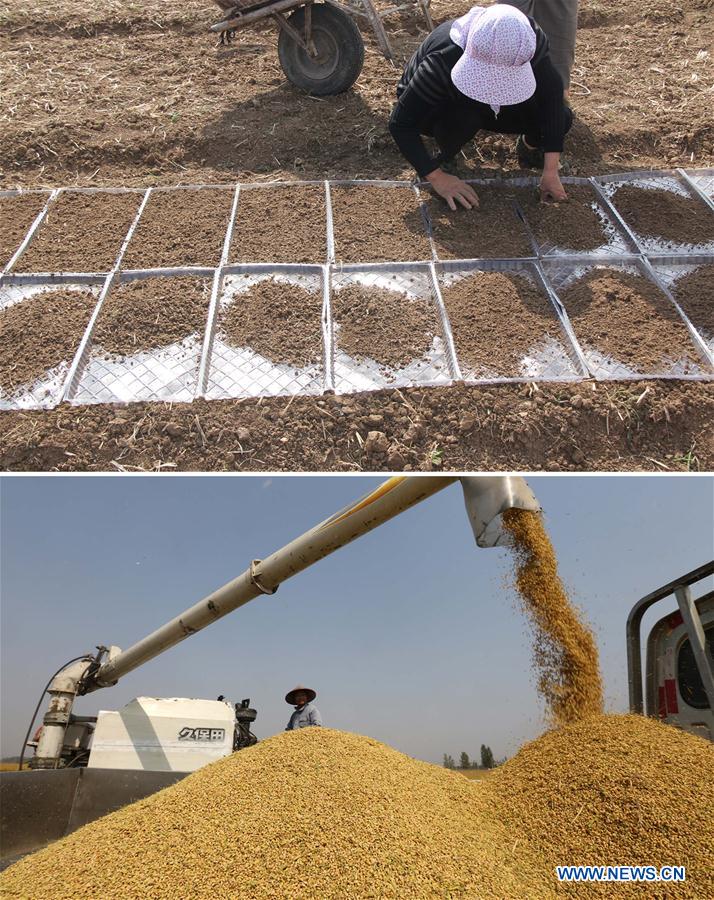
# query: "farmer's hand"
452, 189
550, 185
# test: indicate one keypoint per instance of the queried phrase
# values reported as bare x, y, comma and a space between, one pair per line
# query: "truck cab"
675, 690
679, 662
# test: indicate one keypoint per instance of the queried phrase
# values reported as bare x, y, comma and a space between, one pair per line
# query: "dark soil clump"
378, 224
496, 319
180, 228
656, 213
695, 294
387, 326
16, 216
278, 320
280, 224
151, 312
81, 233
494, 230
39, 333
626, 317
571, 224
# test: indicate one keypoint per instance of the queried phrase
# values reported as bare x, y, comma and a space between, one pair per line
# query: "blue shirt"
306, 715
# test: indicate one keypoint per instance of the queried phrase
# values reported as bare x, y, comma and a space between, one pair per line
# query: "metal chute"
486, 498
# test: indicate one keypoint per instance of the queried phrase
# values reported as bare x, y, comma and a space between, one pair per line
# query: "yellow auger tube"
487, 495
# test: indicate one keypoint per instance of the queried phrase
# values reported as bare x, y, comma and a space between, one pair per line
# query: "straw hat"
498, 43
290, 696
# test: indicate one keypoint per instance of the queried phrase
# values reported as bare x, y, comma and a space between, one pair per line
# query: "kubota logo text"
202, 734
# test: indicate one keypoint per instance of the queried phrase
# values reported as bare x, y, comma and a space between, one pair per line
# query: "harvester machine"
86, 766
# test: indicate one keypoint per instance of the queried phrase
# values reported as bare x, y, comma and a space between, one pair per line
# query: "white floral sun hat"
498, 43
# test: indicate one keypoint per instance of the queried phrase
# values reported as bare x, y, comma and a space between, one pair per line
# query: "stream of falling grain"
565, 654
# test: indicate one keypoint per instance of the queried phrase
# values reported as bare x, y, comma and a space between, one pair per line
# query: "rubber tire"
340, 44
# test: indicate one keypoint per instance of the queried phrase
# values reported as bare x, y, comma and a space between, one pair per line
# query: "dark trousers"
559, 20
458, 125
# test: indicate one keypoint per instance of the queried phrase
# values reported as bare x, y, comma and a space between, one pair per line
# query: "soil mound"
498, 319
387, 326
151, 312
655, 213
280, 321
625, 318
41, 332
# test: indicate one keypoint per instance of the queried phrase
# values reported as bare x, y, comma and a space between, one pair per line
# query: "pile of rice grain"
319, 813
565, 653
314, 813
614, 790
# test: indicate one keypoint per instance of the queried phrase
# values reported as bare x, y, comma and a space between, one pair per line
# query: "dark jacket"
426, 93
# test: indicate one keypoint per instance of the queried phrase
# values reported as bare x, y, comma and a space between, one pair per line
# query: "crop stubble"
497, 318
492, 231
39, 333
16, 216
147, 313
598, 425
280, 224
387, 326
180, 228
378, 224
278, 320
626, 317
659, 213
82, 232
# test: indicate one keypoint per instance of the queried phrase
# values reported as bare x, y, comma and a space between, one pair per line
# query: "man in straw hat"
490, 70
305, 713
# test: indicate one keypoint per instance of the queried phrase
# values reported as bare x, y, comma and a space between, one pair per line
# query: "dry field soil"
135, 94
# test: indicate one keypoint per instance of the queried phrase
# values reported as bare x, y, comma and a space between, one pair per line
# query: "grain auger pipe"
486, 497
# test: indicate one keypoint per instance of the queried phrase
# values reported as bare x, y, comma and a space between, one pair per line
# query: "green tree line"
487, 760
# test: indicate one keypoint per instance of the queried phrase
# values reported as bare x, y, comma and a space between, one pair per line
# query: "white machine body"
168, 734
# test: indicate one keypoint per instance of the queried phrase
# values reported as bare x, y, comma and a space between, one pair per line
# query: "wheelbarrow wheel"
339, 46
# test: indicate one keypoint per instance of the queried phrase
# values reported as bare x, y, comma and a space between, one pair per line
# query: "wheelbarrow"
320, 47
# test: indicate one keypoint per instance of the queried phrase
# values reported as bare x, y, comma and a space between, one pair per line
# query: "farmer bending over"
488, 70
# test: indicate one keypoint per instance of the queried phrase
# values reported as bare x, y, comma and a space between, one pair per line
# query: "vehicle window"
688, 678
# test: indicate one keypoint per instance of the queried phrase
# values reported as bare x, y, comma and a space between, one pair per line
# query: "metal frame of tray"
675, 180
668, 270
330, 274
47, 390
415, 283
561, 360
560, 273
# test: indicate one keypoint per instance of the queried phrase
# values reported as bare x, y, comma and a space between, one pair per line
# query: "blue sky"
410, 634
